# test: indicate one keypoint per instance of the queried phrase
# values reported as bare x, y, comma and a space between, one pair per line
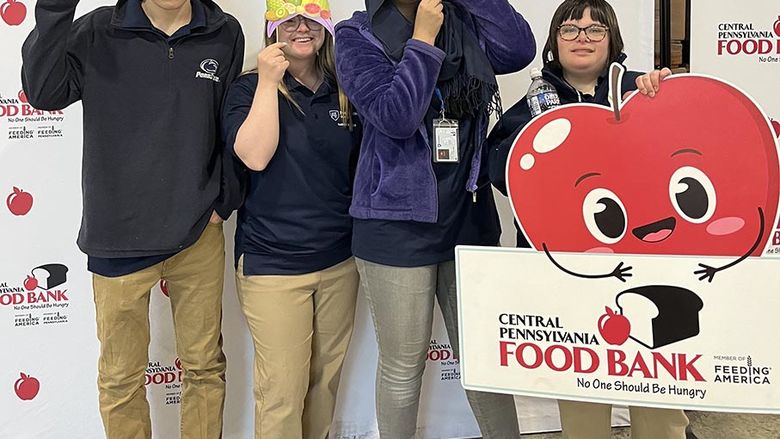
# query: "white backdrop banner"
47, 323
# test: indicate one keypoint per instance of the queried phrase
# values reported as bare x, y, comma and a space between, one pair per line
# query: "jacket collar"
206, 16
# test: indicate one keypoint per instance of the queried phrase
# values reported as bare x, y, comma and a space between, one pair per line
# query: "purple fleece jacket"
395, 178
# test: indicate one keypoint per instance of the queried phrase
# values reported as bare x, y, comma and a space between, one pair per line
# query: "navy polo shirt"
136, 19
295, 218
461, 220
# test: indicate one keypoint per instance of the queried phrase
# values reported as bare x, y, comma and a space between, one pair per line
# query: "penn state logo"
335, 115
208, 70
209, 66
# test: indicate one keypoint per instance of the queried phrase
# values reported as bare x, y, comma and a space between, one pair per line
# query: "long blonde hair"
325, 64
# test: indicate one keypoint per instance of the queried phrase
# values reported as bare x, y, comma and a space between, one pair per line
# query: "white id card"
445, 141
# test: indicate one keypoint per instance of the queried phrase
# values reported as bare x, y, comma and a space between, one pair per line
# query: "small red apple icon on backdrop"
26, 387
614, 328
13, 12
164, 287
19, 202
777, 26
178, 363
22, 97
30, 283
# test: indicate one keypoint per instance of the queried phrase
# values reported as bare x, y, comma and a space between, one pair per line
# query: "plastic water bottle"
542, 96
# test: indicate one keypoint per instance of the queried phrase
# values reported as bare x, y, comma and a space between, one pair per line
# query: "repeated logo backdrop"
47, 327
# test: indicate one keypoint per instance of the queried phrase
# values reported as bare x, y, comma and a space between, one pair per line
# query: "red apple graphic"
30, 283
19, 202
22, 97
614, 328
178, 363
164, 287
777, 26
13, 12
692, 171
26, 387
776, 127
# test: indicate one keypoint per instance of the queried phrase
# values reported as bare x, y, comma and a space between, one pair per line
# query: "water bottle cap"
536, 73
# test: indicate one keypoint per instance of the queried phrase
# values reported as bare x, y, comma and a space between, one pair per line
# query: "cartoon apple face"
693, 171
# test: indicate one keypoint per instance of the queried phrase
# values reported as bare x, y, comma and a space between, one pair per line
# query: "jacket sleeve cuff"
426, 48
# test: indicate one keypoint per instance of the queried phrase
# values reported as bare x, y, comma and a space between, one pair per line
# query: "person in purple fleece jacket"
414, 69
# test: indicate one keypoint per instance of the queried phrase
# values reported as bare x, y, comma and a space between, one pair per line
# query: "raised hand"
271, 64
427, 23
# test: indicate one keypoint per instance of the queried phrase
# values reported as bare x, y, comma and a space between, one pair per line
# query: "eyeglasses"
294, 23
594, 32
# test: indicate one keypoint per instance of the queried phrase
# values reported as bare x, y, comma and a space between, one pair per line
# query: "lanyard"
441, 99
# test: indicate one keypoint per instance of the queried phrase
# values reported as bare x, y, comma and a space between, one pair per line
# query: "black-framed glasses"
594, 32
294, 23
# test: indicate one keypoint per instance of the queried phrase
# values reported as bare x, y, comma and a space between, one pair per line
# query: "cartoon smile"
655, 232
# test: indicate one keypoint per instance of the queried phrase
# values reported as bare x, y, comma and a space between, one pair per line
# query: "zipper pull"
170, 53
474, 197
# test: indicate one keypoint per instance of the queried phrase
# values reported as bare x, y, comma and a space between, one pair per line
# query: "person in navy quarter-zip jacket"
292, 127
583, 41
151, 76
406, 64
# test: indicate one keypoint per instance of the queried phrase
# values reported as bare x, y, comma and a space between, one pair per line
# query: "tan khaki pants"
195, 278
301, 326
583, 420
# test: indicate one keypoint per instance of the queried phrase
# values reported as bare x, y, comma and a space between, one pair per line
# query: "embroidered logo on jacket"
208, 70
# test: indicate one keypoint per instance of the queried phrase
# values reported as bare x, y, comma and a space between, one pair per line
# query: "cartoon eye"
605, 215
692, 194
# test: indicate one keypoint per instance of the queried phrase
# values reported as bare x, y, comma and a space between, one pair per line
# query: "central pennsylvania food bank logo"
742, 38
167, 377
40, 298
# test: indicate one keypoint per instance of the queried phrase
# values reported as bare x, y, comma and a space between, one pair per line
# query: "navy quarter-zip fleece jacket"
153, 167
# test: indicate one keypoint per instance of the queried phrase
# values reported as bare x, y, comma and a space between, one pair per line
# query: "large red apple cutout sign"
692, 171
19, 202
26, 387
13, 12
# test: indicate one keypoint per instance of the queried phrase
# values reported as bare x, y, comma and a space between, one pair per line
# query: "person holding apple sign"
422, 75
293, 129
584, 40
151, 75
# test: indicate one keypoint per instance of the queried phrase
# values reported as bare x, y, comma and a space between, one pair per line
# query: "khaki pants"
195, 278
583, 420
301, 326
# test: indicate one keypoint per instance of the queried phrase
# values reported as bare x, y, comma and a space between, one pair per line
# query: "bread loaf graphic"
50, 275
660, 314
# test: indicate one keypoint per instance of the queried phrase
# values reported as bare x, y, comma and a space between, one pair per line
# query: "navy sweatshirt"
153, 169
296, 218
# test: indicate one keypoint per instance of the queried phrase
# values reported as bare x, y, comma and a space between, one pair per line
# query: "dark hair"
600, 11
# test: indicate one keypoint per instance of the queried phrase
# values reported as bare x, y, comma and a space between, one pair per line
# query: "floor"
711, 426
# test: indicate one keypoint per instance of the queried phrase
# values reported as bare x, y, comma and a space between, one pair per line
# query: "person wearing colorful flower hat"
293, 129
422, 75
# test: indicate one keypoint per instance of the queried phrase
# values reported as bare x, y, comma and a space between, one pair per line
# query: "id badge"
445, 141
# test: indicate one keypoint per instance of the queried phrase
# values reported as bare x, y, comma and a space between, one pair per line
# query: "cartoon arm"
619, 272
708, 272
